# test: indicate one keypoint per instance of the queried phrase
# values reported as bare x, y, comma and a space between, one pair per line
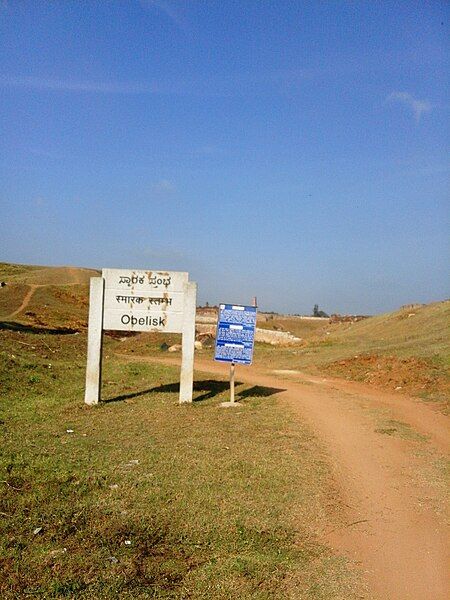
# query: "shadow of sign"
260, 391
209, 387
13, 326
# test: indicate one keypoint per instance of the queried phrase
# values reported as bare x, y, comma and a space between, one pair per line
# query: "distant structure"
254, 302
319, 313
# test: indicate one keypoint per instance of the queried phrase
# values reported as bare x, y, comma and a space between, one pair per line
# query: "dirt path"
394, 517
425, 419
26, 300
75, 277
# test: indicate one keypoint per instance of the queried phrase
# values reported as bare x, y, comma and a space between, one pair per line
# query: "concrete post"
187, 342
95, 335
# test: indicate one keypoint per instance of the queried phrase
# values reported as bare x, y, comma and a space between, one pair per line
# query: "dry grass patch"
143, 498
11, 297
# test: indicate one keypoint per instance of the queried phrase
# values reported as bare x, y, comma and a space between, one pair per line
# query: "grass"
9, 271
406, 351
413, 345
301, 328
421, 332
214, 503
375, 357
59, 294
399, 429
40, 275
142, 498
59, 306
11, 297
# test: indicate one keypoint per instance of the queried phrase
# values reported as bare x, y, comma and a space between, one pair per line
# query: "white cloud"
231, 83
418, 107
67, 85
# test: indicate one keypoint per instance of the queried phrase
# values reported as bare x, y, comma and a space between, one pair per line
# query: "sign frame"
133, 292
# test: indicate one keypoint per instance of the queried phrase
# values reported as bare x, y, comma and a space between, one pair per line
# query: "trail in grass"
26, 300
395, 529
74, 276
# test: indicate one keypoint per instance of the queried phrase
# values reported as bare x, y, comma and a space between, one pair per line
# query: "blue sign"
235, 333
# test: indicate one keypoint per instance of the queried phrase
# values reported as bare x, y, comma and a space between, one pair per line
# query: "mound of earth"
410, 374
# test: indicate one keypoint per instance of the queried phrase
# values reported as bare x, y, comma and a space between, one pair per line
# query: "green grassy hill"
406, 350
421, 330
45, 296
31, 274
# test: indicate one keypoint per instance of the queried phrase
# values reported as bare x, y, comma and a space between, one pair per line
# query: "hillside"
421, 330
404, 350
45, 296
301, 327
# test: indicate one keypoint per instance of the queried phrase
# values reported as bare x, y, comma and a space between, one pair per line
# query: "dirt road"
386, 477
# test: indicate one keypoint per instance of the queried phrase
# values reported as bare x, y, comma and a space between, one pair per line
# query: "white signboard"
139, 300
144, 300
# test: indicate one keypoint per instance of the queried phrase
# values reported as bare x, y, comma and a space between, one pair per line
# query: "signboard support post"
232, 383
187, 343
95, 335
235, 339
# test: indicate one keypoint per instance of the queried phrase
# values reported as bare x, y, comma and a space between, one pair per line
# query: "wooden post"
95, 336
187, 342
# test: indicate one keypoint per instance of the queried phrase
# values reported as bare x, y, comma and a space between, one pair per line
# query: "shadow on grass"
210, 387
13, 326
260, 391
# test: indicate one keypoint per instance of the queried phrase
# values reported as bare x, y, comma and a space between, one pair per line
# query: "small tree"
319, 313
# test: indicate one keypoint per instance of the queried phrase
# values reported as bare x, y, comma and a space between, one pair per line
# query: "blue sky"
296, 151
